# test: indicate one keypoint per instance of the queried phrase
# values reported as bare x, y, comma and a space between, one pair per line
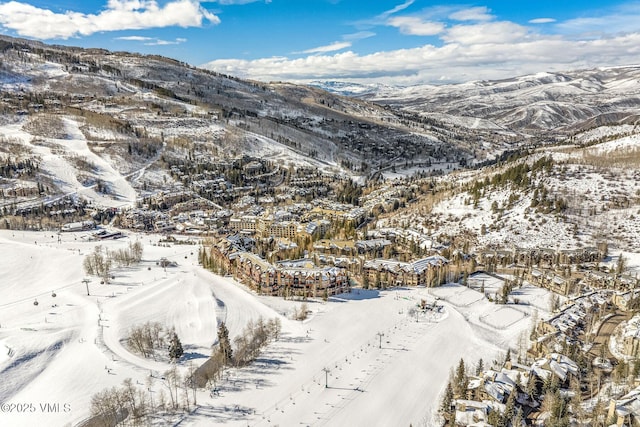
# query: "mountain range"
127, 110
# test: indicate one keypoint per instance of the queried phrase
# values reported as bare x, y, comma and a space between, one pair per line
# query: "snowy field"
364, 358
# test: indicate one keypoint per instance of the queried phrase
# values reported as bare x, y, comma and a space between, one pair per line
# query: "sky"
399, 42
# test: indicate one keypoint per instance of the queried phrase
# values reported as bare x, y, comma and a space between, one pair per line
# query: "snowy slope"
70, 346
545, 101
56, 158
599, 185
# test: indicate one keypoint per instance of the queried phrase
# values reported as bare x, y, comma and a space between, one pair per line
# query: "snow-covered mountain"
560, 102
105, 119
165, 96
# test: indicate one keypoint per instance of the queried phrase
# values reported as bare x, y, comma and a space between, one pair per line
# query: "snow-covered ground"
599, 185
387, 363
56, 162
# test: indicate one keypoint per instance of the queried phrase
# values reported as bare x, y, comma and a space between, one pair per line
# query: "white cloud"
134, 38
359, 35
542, 21
500, 58
382, 18
346, 42
415, 26
472, 14
396, 9
603, 24
476, 47
31, 21
329, 48
160, 42
152, 41
490, 32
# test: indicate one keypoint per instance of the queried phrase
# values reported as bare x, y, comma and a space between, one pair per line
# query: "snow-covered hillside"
63, 163
589, 195
569, 101
153, 96
71, 345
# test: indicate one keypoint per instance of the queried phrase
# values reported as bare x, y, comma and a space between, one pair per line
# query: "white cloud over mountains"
30, 21
449, 43
465, 57
464, 44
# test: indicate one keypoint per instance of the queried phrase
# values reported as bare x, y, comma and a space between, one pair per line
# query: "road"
604, 333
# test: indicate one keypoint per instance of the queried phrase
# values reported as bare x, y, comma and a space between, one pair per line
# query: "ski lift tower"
326, 377
86, 283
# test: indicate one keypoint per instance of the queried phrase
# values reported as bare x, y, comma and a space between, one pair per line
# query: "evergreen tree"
461, 380
224, 344
510, 407
532, 387
559, 415
175, 346
506, 290
447, 399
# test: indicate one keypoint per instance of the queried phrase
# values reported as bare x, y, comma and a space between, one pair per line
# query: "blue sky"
395, 42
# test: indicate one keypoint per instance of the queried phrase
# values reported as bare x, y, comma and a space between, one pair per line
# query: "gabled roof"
556, 364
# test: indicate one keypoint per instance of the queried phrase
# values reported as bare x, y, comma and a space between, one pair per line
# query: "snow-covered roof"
416, 267
558, 364
629, 404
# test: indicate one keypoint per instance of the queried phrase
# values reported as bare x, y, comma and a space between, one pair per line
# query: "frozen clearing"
364, 358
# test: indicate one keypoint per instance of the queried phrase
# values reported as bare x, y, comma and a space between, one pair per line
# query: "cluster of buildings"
427, 271
269, 225
542, 256
630, 337
404, 236
290, 279
625, 411
552, 281
574, 319
602, 279
489, 390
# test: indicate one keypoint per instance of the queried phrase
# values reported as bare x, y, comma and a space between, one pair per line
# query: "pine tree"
510, 407
447, 399
461, 380
224, 344
175, 346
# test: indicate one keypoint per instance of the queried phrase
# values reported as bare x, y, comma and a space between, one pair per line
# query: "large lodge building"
287, 280
428, 271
